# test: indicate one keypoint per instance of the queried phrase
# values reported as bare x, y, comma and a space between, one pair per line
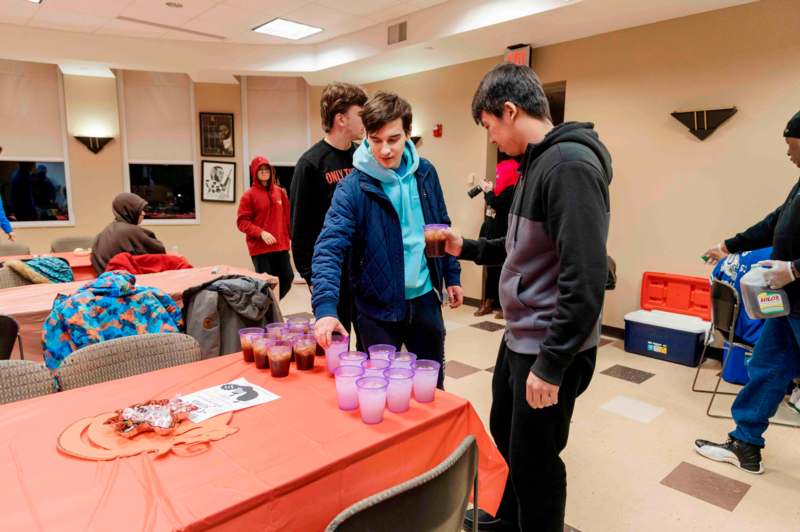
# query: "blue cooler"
666, 336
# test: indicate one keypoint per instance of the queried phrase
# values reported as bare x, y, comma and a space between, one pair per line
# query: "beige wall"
672, 196
96, 179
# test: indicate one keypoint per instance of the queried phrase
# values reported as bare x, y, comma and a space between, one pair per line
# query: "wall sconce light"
94, 144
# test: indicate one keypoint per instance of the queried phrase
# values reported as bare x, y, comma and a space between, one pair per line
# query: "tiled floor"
630, 459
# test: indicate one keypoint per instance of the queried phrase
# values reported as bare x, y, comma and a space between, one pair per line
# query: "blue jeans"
422, 330
775, 362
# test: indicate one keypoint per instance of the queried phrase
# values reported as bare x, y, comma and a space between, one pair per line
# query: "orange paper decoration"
91, 439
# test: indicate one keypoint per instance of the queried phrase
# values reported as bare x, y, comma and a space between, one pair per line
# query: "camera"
474, 191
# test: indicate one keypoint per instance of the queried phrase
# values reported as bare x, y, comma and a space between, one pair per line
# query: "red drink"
280, 367
435, 238
280, 355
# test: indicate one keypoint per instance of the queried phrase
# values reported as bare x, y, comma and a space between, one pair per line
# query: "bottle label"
770, 303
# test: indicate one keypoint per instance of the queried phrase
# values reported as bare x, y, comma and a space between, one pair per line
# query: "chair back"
123, 357
70, 243
9, 278
13, 248
434, 501
724, 308
9, 330
24, 379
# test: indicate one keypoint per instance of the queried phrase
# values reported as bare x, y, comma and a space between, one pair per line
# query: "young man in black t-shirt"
318, 172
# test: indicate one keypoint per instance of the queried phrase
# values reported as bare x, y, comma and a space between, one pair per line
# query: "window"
168, 189
34, 174
34, 191
158, 124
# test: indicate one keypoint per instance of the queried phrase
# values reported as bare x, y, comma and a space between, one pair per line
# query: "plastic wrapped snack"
160, 416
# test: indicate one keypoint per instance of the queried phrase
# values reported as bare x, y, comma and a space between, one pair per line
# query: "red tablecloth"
30, 305
294, 464
81, 264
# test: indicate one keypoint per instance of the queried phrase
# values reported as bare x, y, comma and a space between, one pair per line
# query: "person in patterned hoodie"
109, 307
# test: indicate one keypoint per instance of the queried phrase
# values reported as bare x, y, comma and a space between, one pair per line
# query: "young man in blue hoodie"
378, 214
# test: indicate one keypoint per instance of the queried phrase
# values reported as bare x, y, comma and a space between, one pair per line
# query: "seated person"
377, 214
109, 307
124, 234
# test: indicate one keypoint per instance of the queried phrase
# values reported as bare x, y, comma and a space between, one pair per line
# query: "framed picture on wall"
219, 181
216, 135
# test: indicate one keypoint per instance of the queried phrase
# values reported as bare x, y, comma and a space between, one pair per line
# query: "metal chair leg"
21, 353
475, 502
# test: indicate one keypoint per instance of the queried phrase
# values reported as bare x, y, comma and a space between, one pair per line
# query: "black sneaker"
488, 522
745, 456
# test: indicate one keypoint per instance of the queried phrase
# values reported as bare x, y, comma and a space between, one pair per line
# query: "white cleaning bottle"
761, 301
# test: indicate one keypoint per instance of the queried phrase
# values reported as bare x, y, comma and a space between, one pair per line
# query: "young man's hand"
456, 294
268, 238
486, 186
716, 254
454, 243
539, 393
778, 274
324, 329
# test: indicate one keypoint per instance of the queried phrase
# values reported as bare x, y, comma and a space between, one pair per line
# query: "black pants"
277, 264
531, 440
422, 330
491, 285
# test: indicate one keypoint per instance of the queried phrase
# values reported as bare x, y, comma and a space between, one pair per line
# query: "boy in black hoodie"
551, 290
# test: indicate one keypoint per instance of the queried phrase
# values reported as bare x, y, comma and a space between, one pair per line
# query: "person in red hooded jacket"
264, 218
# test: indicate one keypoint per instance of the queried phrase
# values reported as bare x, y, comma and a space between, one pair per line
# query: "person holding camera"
498, 204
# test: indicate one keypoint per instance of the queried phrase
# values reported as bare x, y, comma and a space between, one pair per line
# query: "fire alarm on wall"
437, 130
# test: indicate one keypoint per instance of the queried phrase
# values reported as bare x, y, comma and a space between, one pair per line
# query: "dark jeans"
422, 330
277, 264
491, 285
531, 440
775, 362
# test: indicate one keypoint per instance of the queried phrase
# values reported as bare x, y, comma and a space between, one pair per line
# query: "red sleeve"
244, 217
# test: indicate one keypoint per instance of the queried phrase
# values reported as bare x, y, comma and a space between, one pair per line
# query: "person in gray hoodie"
552, 283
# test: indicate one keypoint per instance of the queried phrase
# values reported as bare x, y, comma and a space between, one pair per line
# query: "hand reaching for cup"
454, 242
324, 329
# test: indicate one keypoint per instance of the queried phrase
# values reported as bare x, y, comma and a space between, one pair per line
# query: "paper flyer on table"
228, 397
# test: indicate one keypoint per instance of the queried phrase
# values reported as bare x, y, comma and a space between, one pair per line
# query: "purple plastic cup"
275, 330
346, 389
375, 368
352, 358
300, 323
426, 375
398, 391
435, 239
371, 398
381, 351
339, 345
402, 359
246, 341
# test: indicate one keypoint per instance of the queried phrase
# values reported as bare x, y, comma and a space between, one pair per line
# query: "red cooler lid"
677, 293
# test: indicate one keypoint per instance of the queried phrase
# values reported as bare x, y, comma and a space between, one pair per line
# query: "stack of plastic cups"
346, 389
402, 359
381, 351
352, 358
426, 375
375, 368
371, 398
246, 342
398, 391
339, 345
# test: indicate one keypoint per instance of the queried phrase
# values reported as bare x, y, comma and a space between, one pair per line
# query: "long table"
81, 264
30, 305
293, 465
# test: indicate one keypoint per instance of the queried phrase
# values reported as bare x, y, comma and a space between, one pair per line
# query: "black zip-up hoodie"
554, 254
781, 230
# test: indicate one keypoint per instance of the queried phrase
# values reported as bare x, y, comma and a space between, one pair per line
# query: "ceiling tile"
360, 7
67, 21
172, 35
157, 11
130, 29
95, 8
226, 20
393, 12
319, 16
278, 7
16, 12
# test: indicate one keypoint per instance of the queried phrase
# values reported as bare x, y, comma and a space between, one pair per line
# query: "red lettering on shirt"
335, 176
